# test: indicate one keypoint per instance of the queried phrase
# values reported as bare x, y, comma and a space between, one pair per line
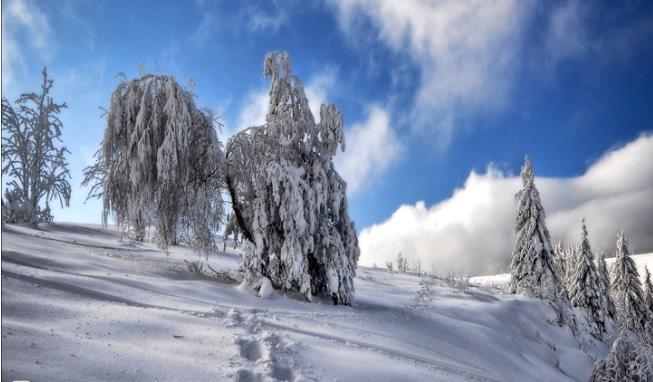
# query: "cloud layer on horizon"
471, 232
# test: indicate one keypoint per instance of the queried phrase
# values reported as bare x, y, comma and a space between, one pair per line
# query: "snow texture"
79, 303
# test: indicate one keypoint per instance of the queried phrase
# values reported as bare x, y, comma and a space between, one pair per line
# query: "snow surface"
79, 303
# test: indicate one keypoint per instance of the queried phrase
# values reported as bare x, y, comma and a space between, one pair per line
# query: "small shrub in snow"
389, 265
457, 282
195, 266
424, 296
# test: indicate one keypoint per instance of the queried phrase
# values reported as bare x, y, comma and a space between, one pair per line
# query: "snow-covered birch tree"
604, 277
288, 199
160, 160
32, 159
533, 270
585, 288
632, 314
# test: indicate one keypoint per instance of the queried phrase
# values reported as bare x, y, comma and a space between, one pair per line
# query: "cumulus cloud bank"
472, 230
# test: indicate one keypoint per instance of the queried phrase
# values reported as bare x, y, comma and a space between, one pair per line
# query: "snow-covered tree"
288, 199
648, 291
604, 278
160, 160
629, 360
560, 258
33, 162
533, 269
402, 263
632, 313
585, 287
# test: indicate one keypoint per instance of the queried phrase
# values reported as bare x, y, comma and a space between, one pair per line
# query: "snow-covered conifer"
160, 160
288, 199
628, 360
585, 287
632, 314
648, 291
34, 166
533, 269
604, 278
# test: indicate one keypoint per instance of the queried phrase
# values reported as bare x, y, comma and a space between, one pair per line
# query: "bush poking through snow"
457, 282
424, 296
195, 266
287, 198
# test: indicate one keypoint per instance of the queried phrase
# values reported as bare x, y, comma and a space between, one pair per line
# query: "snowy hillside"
79, 303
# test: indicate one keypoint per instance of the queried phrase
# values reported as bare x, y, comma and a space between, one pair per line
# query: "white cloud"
371, 146
472, 230
22, 23
466, 51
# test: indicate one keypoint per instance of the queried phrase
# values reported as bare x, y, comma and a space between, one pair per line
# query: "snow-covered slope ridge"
79, 303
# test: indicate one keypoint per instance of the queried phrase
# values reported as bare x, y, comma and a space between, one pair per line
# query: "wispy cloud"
371, 147
23, 24
472, 230
466, 52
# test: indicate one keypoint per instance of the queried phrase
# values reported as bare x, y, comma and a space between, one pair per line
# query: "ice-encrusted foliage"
160, 161
604, 278
586, 287
648, 291
287, 197
533, 269
629, 360
33, 164
632, 314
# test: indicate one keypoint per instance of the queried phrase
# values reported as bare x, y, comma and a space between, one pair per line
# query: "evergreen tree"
585, 289
34, 166
629, 298
628, 361
648, 291
604, 277
533, 269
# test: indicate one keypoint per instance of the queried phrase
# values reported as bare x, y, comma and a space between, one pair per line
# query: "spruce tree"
629, 298
585, 289
648, 291
604, 277
533, 269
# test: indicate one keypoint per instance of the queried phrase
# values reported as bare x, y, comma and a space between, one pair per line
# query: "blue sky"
430, 90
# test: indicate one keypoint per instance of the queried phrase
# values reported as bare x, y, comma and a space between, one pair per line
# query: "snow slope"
79, 303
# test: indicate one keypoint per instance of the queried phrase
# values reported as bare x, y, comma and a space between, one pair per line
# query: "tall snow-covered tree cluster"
160, 161
533, 269
32, 159
287, 197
